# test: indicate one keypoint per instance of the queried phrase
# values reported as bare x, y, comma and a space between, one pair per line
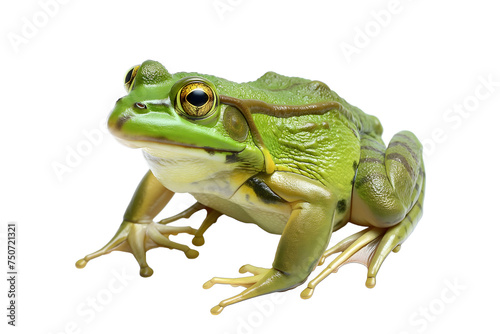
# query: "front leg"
302, 243
138, 233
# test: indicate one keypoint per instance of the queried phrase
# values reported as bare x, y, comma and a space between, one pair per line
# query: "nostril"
140, 108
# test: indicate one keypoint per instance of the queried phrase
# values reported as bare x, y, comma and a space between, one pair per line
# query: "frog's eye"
194, 97
130, 77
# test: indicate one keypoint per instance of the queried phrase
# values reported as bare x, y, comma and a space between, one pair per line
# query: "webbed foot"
264, 281
138, 238
358, 247
369, 247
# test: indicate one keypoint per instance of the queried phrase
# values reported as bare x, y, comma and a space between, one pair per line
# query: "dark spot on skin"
247, 197
262, 190
232, 158
341, 206
370, 179
355, 165
209, 151
121, 121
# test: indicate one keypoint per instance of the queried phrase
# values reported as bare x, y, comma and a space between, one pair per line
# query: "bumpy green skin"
287, 154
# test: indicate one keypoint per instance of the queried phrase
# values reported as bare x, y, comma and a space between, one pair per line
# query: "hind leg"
387, 197
393, 238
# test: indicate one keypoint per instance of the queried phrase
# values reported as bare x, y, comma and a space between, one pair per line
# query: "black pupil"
197, 98
129, 76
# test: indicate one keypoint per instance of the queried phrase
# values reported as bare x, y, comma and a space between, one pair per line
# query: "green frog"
285, 153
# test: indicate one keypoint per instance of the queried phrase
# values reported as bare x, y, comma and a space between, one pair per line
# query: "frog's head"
180, 117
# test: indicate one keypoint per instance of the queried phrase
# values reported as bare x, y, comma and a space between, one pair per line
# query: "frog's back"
322, 146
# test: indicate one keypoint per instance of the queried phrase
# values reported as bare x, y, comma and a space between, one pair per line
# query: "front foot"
138, 238
264, 281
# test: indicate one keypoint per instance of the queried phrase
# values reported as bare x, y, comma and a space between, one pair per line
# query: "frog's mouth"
161, 131
159, 143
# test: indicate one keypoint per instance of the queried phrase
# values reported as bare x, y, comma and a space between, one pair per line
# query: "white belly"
186, 170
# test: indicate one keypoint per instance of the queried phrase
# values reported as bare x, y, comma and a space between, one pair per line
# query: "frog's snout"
115, 124
122, 113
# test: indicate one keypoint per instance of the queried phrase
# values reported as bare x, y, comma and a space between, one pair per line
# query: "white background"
60, 80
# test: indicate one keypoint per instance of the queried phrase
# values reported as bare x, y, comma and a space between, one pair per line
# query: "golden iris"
195, 97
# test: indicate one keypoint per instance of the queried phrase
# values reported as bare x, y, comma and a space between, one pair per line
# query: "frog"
285, 153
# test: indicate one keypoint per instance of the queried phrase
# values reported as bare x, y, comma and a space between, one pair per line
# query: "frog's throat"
248, 107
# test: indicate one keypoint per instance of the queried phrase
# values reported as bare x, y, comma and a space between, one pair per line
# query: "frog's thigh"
388, 193
388, 182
